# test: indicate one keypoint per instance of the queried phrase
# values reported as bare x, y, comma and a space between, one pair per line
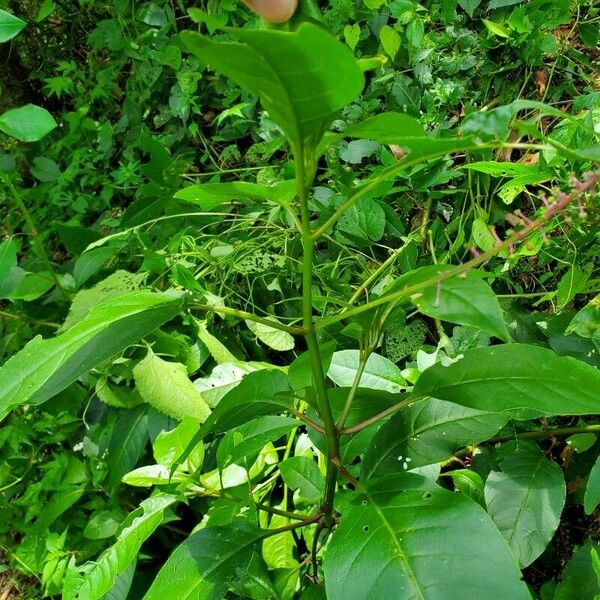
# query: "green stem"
282, 513
382, 415
362, 363
240, 314
302, 183
382, 267
546, 433
32, 230
292, 526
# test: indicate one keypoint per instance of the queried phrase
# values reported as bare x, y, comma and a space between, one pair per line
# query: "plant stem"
546, 433
307, 420
292, 526
302, 184
362, 363
382, 415
282, 513
32, 230
234, 312
385, 265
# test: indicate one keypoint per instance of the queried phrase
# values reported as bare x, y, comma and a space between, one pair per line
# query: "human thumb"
276, 11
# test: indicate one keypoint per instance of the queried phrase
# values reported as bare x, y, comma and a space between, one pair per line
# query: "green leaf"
415, 32
8, 257
207, 564
424, 543
274, 338
525, 499
46, 9
581, 442
380, 373
500, 169
119, 283
469, 483
482, 236
579, 580
500, 3
10, 26
357, 150
169, 445
93, 579
167, 387
496, 28
90, 262
591, 497
586, 322
386, 128
127, 443
303, 77
28, 123
300, 372
211, 195
32, 286
428, 432
151, 475
390, 40
464, 299
364, 220
352, 35
243, 444
45, 367
515, 376
469, 6
259, 393
302, 474
570, 284
45, 169
278, 550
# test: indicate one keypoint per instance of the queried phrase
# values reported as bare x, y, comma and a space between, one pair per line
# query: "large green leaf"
525, 500
166, 386
28, 123
465, 299
424, 543
428, 432
211, 195
93, 579
515, 376
303, 77
45, 367
10, 26
208, 563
